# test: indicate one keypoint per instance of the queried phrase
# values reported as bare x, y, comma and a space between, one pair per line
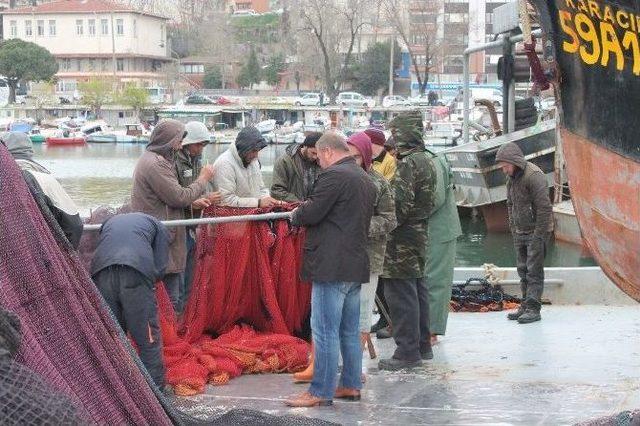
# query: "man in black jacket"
132, 254
337, 217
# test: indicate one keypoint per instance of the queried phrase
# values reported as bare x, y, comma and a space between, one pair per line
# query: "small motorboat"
37, 138
65, 141
101, 137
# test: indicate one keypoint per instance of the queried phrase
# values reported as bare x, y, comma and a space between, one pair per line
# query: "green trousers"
439, 279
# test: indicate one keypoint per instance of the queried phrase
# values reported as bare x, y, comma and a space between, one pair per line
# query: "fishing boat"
595, 45
66, 141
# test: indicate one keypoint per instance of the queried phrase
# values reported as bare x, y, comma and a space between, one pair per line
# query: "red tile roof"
76, 6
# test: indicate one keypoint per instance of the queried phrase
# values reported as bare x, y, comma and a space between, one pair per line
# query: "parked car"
420, 100
394, 100
309, 99
197, 99
354, 99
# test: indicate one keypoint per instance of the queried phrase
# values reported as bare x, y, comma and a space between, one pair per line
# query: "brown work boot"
305, 399
347, 394
305, 376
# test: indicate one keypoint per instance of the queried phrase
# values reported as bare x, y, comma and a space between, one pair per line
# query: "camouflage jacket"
188, 170
383, 221
414, 187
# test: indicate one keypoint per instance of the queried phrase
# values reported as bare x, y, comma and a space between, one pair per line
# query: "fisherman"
157, 191
131, 256
404, 266
188, 166
382, 223
295, 173
46, 190
337, 217
383, 162
444, 229
238, 176
531, 224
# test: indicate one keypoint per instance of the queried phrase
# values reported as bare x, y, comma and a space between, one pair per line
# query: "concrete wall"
577, 286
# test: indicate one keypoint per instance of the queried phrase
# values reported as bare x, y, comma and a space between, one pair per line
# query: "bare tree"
419, 36
333, 27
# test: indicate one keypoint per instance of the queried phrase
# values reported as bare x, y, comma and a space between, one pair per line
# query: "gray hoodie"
528, 200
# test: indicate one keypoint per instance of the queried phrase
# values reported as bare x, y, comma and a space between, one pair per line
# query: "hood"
376, 135
293, 149
407, 131
249, 139
512, 154
166, 138
19, 145
362, 142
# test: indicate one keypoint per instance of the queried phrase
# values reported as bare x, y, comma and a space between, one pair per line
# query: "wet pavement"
578, 363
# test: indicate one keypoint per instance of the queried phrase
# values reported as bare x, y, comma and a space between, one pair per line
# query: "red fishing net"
69, 337
246, 291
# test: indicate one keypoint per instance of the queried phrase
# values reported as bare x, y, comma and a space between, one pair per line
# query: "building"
447, 28
94, 38
258, 6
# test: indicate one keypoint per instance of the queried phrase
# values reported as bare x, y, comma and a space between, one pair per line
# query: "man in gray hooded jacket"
45, 189
531, 224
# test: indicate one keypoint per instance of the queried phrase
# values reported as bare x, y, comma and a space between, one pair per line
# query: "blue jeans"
335, 313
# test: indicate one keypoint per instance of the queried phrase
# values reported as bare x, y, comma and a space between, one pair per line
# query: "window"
104, 25
13, 28
91, 27
91, 65
28, 30
104, 64
52, 27
135, 28
66, 64
79, 27
41, 28
120, 26
120, 64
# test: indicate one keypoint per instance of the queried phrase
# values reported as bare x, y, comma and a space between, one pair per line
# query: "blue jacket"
136, 240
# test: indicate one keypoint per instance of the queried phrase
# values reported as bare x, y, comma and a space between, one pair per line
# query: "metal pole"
113, 50
465, 64
393, 42
210, 220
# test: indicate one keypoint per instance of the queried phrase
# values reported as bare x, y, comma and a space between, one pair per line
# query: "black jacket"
136, 240
337, 217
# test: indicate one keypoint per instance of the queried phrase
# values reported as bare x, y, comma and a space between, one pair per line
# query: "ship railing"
504, 41
209, 220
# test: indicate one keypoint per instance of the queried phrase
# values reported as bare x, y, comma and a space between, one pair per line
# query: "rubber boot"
517, 314
531, 313
305, 376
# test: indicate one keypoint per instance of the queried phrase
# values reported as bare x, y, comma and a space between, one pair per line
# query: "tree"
372, 73
135, 97
273, 69
250, 71
95, 93
419, 37
333, 26
212, 78
25, 61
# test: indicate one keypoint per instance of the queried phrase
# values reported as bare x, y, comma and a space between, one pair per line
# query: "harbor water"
101, 174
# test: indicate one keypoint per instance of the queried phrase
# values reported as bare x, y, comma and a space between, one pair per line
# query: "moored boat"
595, 48
65, 141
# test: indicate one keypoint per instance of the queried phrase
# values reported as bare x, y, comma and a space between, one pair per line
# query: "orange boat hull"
605, 189
66, 141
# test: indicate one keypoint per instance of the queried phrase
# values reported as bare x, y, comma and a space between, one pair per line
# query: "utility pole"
391, 55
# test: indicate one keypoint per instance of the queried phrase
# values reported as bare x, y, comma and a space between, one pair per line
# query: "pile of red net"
247, 292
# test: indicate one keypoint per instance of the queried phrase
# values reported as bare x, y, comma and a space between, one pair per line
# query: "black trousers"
530, 254
382, 299
409, 309
131, 297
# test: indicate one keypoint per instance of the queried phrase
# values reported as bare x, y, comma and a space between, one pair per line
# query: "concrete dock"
578, 363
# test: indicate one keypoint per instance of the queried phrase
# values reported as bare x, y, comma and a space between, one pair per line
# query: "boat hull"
607, 210
65, 141
597, 55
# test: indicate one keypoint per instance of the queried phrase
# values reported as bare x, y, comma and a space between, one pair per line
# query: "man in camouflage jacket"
405, 259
